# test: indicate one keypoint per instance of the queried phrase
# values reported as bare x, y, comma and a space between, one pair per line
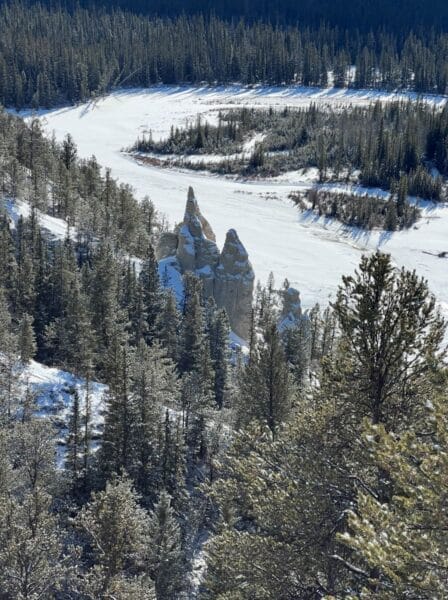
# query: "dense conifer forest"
396, 146
51, 55
399, 16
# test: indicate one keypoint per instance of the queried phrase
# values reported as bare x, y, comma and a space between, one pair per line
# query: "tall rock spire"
193, 214
196, 249
234, 284
227, 276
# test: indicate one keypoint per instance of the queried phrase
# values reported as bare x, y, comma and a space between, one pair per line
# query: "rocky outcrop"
227, 276
291, 308
167, 245
192, 212
234, 284
196, 248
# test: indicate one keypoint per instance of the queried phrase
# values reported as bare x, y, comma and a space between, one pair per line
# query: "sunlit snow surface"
54, 391
312, 253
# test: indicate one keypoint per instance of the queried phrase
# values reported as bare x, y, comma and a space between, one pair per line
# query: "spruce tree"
121, 420
192, 340
9, 367
73, 459
169, 325
154, 385
297, 345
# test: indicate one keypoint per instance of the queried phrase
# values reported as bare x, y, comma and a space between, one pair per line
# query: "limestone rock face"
167, 245
196, 249
227, 276
234, 284
192, 208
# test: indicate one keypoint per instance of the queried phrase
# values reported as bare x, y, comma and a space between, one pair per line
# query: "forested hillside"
49, 56
307, 467
398, 17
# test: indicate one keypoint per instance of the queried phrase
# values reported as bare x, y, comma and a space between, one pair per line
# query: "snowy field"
311, 253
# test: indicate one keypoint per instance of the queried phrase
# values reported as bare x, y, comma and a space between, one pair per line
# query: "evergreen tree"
165, 555
73, 460
117, 533
219, 352
192, 341
121, 420
169, 325
297, 344
391, 336
33, 562
402, 544
34, 559
27, 342
151, 292
266, 391
154, 386
173, 464
9, 367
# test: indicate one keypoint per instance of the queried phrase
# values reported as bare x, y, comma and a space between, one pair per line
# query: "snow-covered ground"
54, 391
56, 228
311, 253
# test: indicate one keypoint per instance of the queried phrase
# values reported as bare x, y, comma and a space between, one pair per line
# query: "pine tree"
68, 152
274, 499
401, 546
33, 562
78, 333
192, 341
402, 196
9, 367
27, 341
391, 336
116, 529
121, 420
104, 298
155, 385
297, 344
86, 427
266, 391
219, 352
172, 463
391, 221
169, 325
167, 565
74, 442
150, 282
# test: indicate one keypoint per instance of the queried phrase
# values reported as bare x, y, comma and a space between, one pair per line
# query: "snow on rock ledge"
227, 276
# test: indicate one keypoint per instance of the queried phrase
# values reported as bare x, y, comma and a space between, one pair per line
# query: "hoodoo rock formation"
227, 276
234, 284
291, 309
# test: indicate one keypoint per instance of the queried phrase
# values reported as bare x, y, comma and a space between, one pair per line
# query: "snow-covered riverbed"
311, 254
